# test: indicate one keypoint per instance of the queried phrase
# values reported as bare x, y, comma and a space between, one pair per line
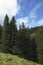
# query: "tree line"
25, 42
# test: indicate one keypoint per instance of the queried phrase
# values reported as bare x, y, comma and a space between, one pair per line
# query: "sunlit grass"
8, 59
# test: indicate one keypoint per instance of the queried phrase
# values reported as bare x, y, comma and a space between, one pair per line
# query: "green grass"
8, 59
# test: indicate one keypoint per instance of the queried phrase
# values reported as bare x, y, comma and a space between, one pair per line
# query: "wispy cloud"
31, 18
33, 12
9, 7
20, 1
40, 22
12, 7
25, 20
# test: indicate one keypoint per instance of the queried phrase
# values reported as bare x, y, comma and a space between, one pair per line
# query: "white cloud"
40, 22
36, 23
33, 16
31, 19
32, 24
25, 20
9, 7
33, 12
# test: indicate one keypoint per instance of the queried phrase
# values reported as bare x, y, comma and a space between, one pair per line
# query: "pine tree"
34, 50
0, 33
5, 35
0, 36
13, 36
24, 41
39, 39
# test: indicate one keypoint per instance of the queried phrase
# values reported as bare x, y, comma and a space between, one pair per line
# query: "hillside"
8, 59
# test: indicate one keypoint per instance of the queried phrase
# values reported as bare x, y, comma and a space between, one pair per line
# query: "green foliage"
5, 34
0, 31
25, 42
0, 36
40, 45
13, 36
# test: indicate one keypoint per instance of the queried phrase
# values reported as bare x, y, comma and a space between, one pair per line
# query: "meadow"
8, 59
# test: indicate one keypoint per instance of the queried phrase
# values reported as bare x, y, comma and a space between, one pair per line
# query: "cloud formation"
24, 11
21, 20
31, 18
9, 7
40, 22
33, 12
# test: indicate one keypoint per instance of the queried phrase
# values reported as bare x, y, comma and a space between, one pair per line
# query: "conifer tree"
0, 36
0, 33
13, 36
5, 34
24, 41
39, 40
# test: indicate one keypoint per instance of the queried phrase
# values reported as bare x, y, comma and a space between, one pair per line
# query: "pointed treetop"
6, 20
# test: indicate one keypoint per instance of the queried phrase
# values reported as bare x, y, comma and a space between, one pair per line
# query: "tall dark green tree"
24, 41
0, 33
40, 45
5, 34
13, 36
34, 50
0, 36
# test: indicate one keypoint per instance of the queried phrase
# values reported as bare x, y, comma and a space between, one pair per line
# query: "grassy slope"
8, 59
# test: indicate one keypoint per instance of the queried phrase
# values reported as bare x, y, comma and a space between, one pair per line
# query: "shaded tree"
13, 36
5, 34
0, 36
34, 50
39, 39
24, 41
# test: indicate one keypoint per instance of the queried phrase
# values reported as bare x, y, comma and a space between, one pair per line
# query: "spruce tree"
34, 49
39, 39
5, 35
24, 41
13, 36
0, 36
0, 33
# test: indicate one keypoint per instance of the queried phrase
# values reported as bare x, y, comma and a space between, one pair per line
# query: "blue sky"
28, 11
31, 11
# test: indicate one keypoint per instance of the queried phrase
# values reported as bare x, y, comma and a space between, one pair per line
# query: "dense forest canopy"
25, 42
